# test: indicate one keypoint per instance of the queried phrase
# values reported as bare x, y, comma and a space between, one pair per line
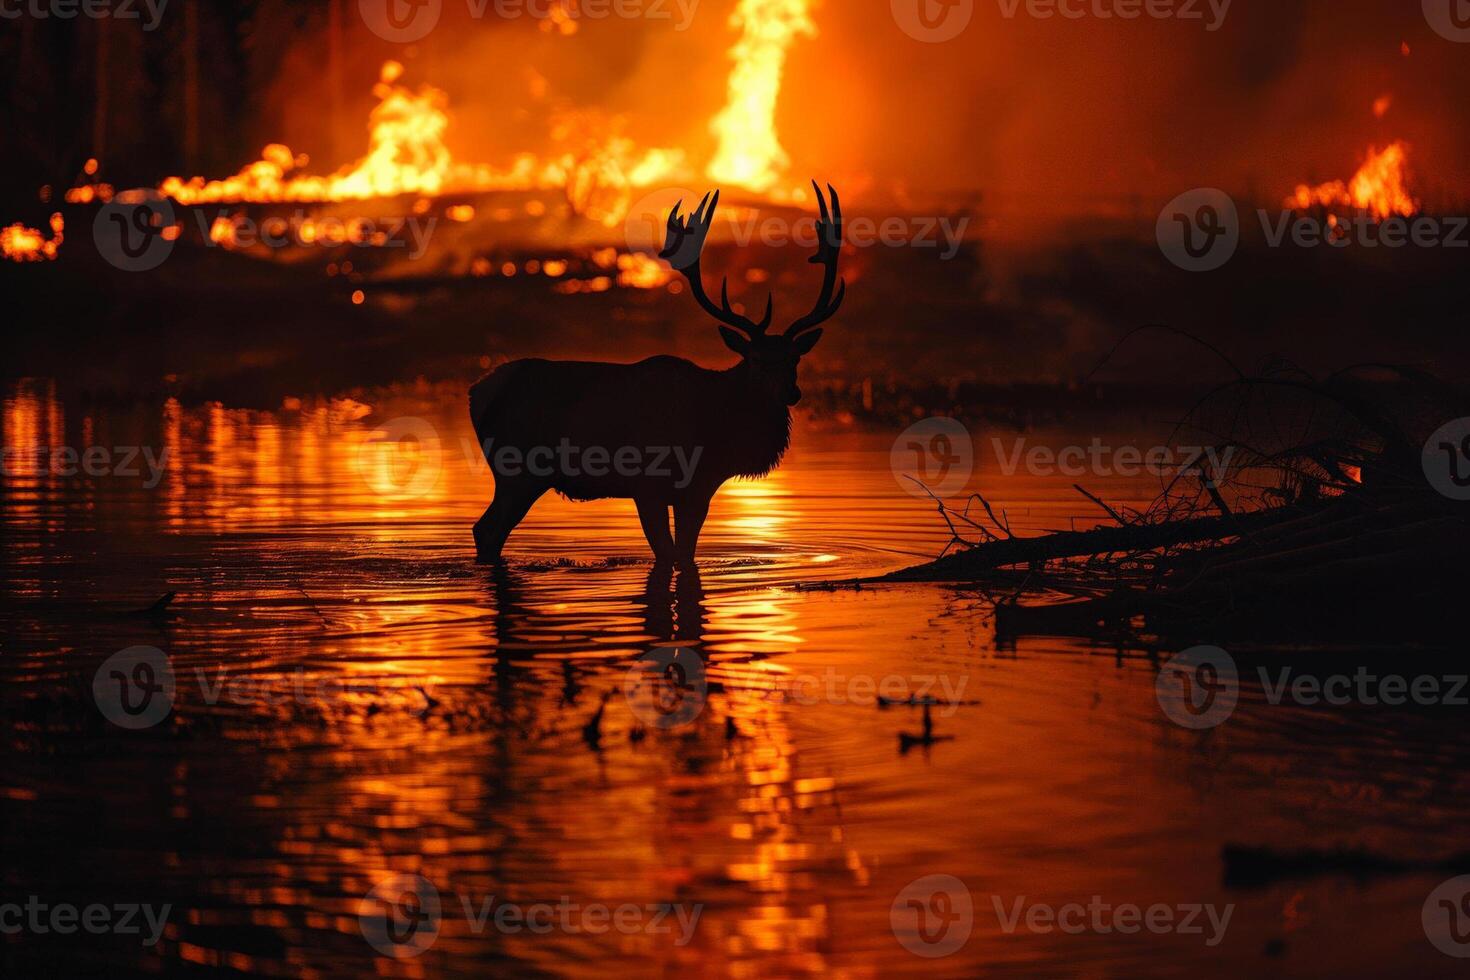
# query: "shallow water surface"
356, 699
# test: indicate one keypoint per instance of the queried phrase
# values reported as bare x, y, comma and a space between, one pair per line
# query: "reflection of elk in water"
664, 432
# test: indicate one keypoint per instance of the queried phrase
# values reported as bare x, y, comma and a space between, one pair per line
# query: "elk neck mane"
761, 423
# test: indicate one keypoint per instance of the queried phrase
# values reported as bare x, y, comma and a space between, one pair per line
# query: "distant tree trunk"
191, 89
334, 79
100, 106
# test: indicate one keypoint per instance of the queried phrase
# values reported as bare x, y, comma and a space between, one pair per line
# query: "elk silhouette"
576, 426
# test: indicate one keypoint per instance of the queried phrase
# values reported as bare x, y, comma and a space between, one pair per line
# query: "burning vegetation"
19, 243
597, 168
1380, 187
407, 154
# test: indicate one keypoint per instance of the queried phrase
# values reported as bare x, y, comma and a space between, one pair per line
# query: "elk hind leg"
654, 516
689, 518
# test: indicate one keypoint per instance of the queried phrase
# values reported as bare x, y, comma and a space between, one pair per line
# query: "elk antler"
683, 247
829, 248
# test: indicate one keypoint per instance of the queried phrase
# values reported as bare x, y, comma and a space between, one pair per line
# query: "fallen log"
1423, 537
1259, 867
1395, 584
971, 564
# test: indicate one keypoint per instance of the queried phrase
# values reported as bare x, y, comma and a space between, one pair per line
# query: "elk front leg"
654, 516
513, 501
689, 518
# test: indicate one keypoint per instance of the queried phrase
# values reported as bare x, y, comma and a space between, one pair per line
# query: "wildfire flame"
19, 243
1379, 187
749, 153
407, 155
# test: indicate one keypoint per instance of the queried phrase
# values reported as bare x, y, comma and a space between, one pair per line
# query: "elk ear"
806, 342
735, 341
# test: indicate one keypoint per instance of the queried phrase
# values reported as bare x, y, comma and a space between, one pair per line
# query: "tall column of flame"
749, 153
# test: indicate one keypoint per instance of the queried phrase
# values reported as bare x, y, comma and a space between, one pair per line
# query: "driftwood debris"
1260, 867
1332, 531
964, 565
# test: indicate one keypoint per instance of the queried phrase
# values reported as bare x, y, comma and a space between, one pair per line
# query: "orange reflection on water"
401, 710
34, 435
757, 506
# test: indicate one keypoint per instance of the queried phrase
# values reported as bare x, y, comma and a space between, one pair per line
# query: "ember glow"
749, 153
407, 154
19, 243
1379, 187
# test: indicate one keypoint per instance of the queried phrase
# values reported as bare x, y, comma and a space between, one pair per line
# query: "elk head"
773, 358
